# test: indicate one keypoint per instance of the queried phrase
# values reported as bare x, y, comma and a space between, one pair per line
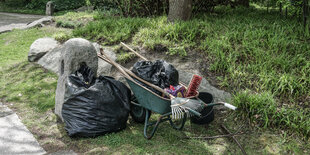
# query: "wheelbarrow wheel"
178, 124
137, 112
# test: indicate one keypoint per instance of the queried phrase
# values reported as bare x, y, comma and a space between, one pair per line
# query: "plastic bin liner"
93, 106
159, 73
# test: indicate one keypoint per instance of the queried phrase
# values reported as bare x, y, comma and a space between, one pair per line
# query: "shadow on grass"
28, 83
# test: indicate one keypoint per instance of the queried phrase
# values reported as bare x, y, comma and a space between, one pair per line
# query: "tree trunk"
179, 10
280, 9
245, 3
305, 13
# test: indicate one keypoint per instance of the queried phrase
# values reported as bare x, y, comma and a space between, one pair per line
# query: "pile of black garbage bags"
96, 106
159, 73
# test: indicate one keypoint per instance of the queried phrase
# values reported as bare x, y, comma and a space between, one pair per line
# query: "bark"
305, 12
245, 3
179, 10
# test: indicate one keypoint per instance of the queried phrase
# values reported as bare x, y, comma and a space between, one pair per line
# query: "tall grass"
111, 30
263, 109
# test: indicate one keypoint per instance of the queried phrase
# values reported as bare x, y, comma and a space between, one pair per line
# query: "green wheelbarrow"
145, 102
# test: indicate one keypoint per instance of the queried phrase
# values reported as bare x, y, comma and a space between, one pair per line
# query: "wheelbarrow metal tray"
149, 99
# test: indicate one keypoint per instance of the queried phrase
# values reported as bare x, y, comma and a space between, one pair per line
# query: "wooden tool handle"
139, 55
115, 65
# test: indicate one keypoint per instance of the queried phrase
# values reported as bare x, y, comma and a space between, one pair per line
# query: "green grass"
20, 81
10, 53
29, 84
62, 36
263, 110
110, 30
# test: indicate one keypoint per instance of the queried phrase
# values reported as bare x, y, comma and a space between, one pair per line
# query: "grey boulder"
104, 68
50, 60
39, 23
76, 51
40, 47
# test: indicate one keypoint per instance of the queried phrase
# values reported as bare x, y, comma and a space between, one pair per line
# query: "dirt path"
14, 18
9, 21
15, 138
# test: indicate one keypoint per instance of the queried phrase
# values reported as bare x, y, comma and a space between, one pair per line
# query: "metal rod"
233, 137
218, 136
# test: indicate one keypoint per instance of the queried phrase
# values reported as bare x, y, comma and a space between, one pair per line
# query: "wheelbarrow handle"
193, 112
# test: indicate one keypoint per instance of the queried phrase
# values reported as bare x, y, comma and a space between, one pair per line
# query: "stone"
49, 8
104, 68
40, 47
39, 23
75, 52
98, 150
85, 8
50, 60
63, 152
4, 110
205, 86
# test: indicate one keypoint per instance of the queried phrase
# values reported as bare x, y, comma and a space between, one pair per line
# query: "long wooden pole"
139, 55
305, 13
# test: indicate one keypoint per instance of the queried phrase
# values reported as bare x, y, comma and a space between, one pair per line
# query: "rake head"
182, 106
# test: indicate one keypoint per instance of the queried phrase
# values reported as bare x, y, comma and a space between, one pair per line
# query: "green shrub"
62, 37
141, 8
60, 5
37, 4
68, 24
68, 4
15, 3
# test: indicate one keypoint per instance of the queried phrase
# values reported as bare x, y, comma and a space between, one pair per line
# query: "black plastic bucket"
207, 114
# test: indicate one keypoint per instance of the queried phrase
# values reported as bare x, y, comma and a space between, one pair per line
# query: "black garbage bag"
159, 73
93, 106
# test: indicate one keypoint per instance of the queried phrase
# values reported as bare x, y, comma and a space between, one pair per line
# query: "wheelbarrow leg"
178, 125
147, 124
